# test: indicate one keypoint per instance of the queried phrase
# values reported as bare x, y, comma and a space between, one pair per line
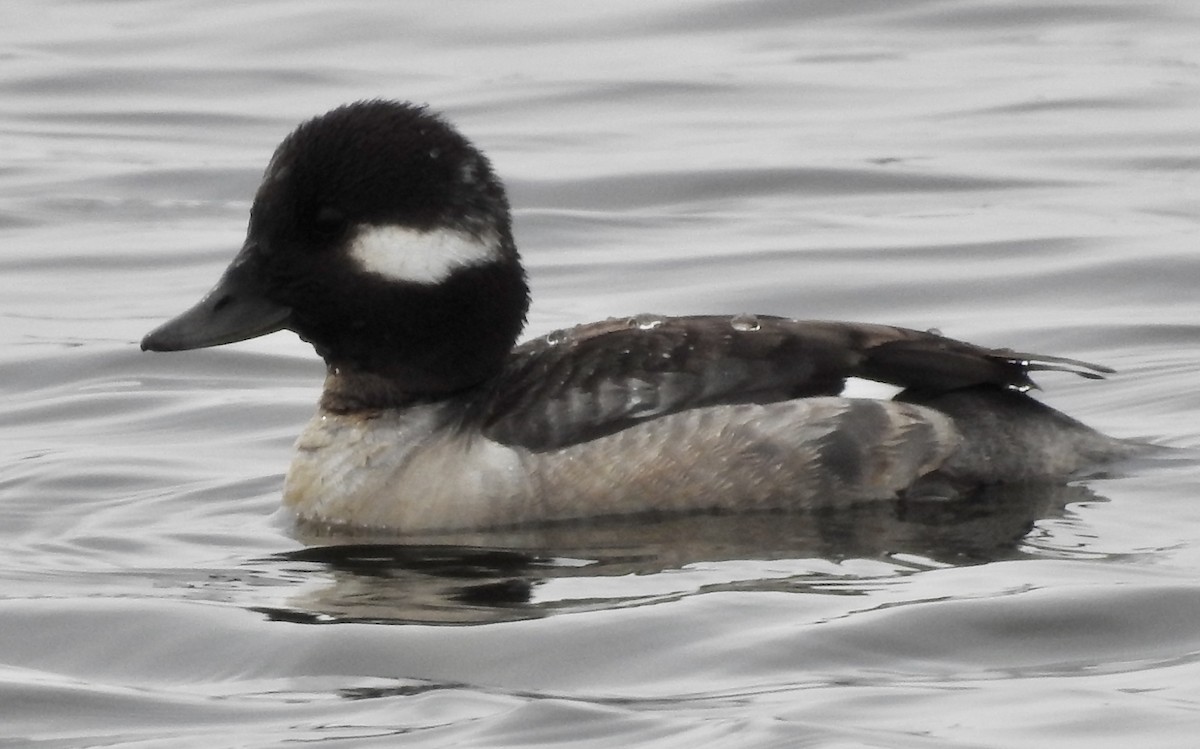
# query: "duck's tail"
1008, 437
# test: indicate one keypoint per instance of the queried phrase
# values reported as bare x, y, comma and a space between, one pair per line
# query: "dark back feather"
578, 384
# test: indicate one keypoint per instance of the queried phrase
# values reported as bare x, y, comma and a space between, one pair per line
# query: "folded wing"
575, 385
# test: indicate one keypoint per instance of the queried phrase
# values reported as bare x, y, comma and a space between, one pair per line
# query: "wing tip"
1045, 363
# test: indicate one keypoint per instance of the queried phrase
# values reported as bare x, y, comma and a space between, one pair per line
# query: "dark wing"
574, 385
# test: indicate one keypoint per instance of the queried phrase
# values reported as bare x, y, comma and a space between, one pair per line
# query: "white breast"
398, 471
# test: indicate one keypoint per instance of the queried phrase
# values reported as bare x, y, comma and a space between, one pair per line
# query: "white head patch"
405, 254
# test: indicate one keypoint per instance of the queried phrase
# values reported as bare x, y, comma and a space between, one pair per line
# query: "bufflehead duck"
382, 237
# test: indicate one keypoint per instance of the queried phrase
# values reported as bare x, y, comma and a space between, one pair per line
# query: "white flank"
859, 388
406, 254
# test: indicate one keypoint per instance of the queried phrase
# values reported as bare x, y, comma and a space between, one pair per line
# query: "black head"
380, 235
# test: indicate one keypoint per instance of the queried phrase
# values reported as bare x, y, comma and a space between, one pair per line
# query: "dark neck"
357, 392
419, 344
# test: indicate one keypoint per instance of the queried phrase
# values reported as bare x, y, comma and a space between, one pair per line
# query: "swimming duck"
382, 237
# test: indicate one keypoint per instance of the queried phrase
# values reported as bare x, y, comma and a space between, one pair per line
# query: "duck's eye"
329, 220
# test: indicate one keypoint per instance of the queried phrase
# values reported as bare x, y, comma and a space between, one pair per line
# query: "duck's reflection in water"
520, 573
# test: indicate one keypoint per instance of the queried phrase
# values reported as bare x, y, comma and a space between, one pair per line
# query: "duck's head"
381, 236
